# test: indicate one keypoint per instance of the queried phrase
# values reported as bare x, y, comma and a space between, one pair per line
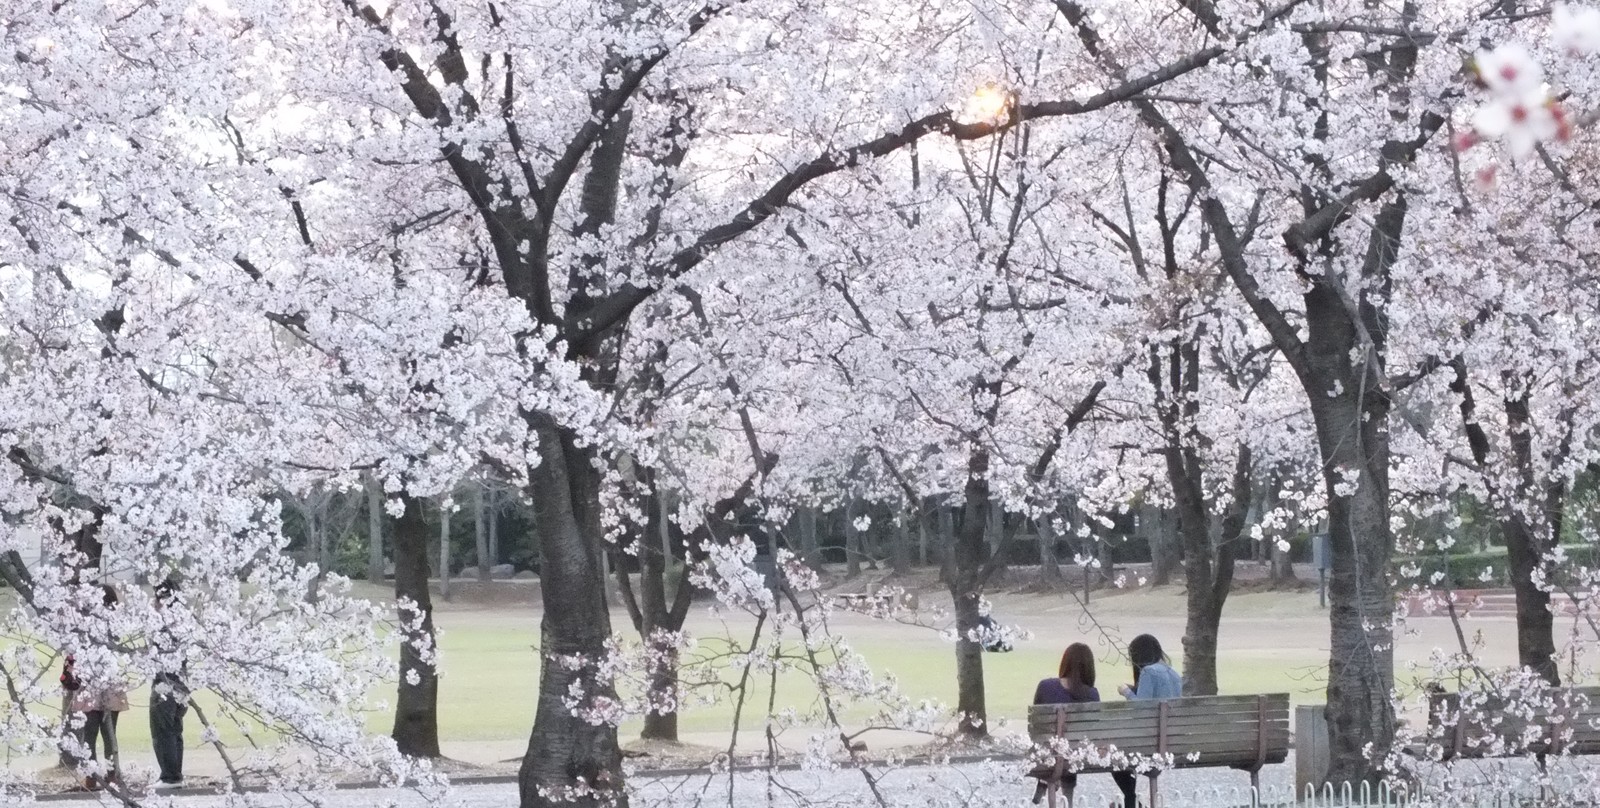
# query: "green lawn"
1271, 643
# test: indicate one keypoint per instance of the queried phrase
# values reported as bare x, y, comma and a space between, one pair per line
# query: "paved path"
968, 785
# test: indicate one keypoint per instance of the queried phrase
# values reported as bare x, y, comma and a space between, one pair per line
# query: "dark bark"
374, 532
444, 553
900, 547
852, 541
570, 762
1530, 515
1208, 565
416, 714
1351, 414
1166, 548
494, 527
964, 577
1049, 564
480, 531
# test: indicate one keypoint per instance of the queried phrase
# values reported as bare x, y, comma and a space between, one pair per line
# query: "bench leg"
1155, 796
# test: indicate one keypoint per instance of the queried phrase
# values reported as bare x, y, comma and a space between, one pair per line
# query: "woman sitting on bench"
1074, 683
1153, 680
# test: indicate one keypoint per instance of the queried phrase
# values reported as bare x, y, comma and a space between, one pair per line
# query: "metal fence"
1363, 796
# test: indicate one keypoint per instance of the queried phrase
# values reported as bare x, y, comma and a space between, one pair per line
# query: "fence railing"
1362, 796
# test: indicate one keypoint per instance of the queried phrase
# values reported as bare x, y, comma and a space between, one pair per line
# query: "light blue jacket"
1158, 681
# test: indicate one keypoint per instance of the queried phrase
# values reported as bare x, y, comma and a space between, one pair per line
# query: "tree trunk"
1529, 515
965, 577
945, 538
922, 531
416, 714
852, 541
1049, 565
374, 532
1351, 413
900, 550
493, 518
570, 762
809, 552
480, 530
444, 551
1166, 546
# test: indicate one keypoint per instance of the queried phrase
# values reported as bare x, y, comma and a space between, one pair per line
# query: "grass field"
1271, 642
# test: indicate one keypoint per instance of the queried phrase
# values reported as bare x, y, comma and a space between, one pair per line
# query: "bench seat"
1242, 732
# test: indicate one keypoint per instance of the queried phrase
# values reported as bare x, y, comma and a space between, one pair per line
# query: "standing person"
1153, 680
169, 697
100, 705
1073, 684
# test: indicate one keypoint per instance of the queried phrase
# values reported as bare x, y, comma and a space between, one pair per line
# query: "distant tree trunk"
1166, 546
1282, 567
852, 541
374, 531
944, 539
922, 531
808, 536
900, 547
444, 550
480, 526
494, 527
416, 715
1530, 515
1049, 566
995, 534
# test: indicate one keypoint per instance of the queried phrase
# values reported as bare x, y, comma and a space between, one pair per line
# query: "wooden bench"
1568, 727
1241, 732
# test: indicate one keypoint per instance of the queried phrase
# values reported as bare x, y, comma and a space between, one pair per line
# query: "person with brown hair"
1073, 683
100, 705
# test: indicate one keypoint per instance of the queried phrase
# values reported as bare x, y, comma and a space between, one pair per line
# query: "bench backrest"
1223, 730
1490, 725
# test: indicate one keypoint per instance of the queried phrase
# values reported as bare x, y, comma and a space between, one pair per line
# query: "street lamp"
991, 103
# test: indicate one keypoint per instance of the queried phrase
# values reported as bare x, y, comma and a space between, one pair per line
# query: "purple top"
1052, 691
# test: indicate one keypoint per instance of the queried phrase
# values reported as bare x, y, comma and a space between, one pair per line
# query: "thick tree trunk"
1351, 415
374, 531
662, 726
1535, 622
416, 714
570, 762
971, 703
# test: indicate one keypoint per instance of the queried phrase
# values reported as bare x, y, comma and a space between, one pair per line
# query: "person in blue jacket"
1153, 680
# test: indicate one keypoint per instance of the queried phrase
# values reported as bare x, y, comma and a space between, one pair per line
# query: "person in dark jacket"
1073, 684
169, 700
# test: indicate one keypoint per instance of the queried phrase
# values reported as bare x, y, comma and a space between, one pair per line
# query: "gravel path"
967, 784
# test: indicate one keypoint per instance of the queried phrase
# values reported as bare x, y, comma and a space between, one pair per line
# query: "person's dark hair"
1077, 666
1144, 650
108, 595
